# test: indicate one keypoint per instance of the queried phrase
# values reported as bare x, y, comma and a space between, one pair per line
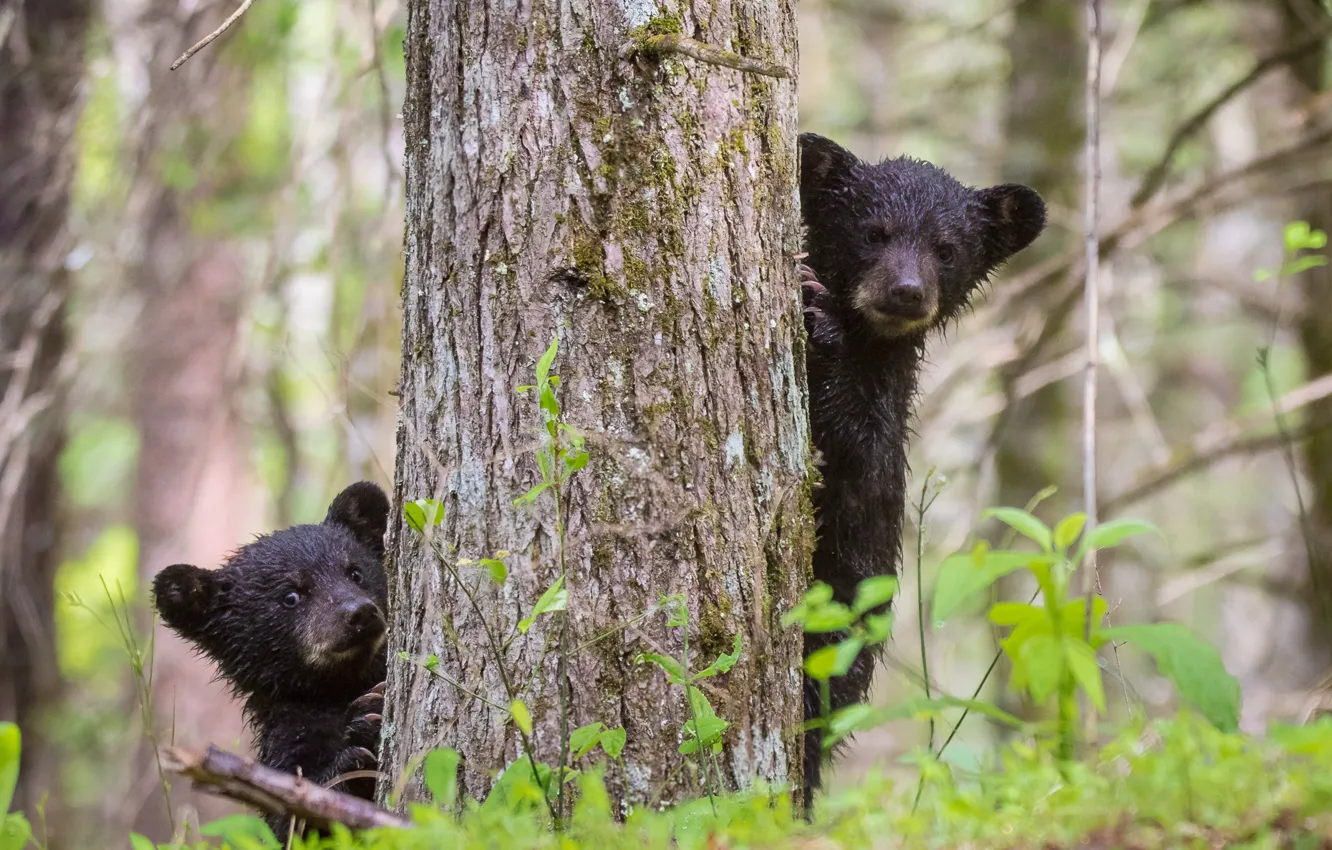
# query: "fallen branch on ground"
243, 779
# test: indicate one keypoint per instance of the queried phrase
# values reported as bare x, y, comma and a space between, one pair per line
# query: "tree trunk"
41, 66
190, 497
1308, 78
1042, 142
1043, 139
643, 208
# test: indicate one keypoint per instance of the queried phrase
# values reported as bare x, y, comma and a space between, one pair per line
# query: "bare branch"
212, 36
1200, 457
695, 49
1155, 178
229, 775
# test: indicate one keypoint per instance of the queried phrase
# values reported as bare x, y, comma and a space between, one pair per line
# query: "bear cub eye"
947, 253
291, 599
355, 576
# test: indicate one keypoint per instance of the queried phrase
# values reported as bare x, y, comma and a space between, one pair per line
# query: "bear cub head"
297, 614
901, 245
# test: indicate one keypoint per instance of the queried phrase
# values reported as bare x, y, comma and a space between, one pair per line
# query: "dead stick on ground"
239, 778
212, 36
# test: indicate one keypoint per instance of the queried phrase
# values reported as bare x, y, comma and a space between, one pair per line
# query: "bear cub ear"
1014, 217
824, 164
184, 595
362, 509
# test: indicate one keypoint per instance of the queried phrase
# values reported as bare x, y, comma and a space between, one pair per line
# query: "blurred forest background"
199, 275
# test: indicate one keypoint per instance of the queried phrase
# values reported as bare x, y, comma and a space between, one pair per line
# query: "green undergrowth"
1176, 783
1168, 784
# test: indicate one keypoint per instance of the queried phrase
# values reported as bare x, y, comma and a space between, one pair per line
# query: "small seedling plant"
1052, 641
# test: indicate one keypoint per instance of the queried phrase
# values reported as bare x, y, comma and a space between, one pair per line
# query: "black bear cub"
295, 622
895, 250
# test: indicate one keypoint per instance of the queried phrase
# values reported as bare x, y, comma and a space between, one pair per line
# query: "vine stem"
499, 663
1091, 297
1092, 293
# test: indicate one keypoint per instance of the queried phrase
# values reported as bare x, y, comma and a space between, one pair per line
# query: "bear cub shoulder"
295, 622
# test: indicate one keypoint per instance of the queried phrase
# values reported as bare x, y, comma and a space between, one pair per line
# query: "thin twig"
1091, 298
212, 36
1155, 178
236, 777
1161, 477
695, 49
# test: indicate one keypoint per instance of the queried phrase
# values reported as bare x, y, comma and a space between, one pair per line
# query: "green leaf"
1303, 264
517, 791
498, 572
960, 577
612, 741
139, 842
847, 651
240, 830
873, 592
1073, 617
554, 599
1193, 665
1014, 613
10, 747
1068, 530
723, 664
15, 832
1025, 524
1041, 659
421, 513
1082, 663
878, 627
675, 672
1296, 236
574, 461
431, 662
859, 717
584, 738
441, 776
522, 718
415, 517
530, 497
820, 663
704, 724
1110, 534
547, 358
1263, 275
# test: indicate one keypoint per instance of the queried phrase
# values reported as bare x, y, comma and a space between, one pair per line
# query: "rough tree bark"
41, 65
564, 179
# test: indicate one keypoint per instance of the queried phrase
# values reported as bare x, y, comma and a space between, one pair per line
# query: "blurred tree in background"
41, 65
232, 258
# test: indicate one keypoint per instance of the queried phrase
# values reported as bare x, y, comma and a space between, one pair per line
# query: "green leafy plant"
863, 624
1052, 645
703, 730
14, 828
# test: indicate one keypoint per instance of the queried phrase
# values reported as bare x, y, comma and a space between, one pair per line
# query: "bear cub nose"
906, 297
364, 616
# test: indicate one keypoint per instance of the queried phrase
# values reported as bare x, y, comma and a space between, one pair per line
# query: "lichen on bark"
644, 210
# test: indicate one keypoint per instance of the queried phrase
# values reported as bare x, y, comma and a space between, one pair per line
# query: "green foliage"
1172, 783
861, 627
1299, 241
1052, 645
14, 829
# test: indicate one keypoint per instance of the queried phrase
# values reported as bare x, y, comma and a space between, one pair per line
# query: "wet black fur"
869, 227
266, 649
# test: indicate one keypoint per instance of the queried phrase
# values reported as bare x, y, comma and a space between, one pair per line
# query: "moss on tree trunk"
562, 181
